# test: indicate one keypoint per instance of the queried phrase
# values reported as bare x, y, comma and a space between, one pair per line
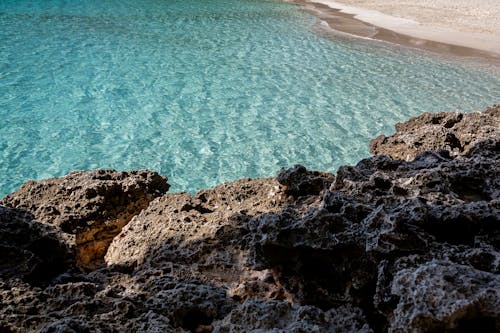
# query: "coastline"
376, 247
375, 25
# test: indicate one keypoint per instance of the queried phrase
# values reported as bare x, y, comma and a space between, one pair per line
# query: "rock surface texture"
384, 246
89, 208
454, 131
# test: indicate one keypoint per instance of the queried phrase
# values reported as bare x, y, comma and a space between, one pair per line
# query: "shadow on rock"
31, 251
380, 214
386, 245
89, 207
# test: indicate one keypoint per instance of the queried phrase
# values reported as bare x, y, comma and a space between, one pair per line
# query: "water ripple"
202, 91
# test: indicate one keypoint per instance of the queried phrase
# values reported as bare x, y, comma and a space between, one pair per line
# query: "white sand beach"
466, 23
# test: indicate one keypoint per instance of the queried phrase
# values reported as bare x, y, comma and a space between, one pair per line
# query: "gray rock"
375, 213
443, 296
278, 316
30, 251
453, 131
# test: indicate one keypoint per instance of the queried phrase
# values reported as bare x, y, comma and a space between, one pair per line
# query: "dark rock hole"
481, 324
195, 319
5, 329
469, 190
454, 142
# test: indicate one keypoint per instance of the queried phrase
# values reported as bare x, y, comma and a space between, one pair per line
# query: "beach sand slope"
468, 24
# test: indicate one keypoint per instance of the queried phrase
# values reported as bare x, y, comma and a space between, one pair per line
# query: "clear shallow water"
202, 91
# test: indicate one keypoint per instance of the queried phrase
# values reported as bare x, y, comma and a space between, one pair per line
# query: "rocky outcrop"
298, 181
385, 221
30, 251
177, 266
384, 246
110, 300
202, 236
279, 316
440, 295
90, 208
454, 131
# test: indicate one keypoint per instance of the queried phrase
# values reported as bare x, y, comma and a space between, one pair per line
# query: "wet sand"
378, 26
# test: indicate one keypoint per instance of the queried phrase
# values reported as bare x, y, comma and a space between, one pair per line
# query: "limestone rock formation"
89, 207
299, 181
278, 316
454, 131
384, 246
29, 250
202, 236
445, 296
383, 213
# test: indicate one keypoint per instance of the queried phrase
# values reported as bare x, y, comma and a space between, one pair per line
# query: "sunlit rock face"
88, 207
388, 245
453, 131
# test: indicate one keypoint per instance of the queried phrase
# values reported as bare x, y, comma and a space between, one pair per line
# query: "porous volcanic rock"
384, 246
445, 296
278, 316
203, 236
382, 211
108, 300
90, 207
454, 131
30, 251
299, 181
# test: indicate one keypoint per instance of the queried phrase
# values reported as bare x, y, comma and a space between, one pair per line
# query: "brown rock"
452, 131
90, 207
203, 236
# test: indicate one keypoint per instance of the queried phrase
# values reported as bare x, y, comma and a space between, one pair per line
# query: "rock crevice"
89, 208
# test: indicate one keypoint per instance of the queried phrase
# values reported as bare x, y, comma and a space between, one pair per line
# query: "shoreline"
306, 250
374, 25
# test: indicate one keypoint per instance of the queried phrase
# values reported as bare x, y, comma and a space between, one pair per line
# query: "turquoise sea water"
202, 91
